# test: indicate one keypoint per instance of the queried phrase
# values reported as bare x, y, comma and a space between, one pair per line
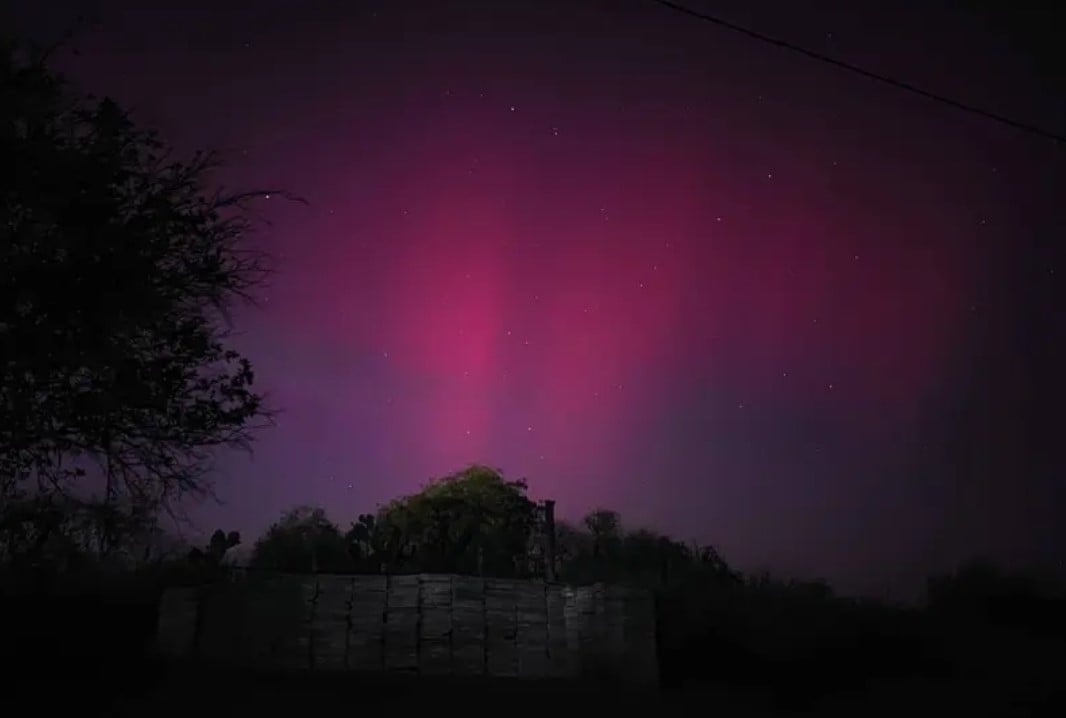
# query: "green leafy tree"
473, 521
302, 541
119, 268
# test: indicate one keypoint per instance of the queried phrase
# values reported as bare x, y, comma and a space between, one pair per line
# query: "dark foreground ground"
154, 689
92, 656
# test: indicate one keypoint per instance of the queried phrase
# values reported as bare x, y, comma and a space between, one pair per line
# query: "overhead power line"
865, 73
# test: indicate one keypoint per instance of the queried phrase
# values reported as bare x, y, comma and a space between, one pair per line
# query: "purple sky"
735, 294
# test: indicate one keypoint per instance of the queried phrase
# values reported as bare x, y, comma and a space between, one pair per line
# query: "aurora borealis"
730, 292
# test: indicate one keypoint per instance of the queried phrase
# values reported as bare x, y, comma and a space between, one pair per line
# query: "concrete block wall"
429, 624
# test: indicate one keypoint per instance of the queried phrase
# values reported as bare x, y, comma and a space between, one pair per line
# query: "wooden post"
549, 540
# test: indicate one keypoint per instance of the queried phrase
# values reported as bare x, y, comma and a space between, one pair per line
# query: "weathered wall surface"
430, 624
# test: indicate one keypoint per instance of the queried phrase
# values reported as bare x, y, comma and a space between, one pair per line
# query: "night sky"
736, 294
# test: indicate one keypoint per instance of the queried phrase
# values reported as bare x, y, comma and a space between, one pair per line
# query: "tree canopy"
119, 266
303, 540
476, 522
471, 521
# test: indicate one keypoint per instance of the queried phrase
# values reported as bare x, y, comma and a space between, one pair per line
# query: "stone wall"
429, 624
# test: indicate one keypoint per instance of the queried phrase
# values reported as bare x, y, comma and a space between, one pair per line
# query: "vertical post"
549, 540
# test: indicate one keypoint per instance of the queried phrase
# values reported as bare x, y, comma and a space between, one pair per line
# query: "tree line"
477, 522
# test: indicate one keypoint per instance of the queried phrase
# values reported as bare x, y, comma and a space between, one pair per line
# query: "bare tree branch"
120, 270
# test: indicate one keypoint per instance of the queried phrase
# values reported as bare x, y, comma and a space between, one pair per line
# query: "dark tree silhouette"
601, 549
606, 529
216, 548
64, 532
363, 541
303, 540
118, 269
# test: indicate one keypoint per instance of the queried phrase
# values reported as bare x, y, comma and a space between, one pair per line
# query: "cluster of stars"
640, 284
